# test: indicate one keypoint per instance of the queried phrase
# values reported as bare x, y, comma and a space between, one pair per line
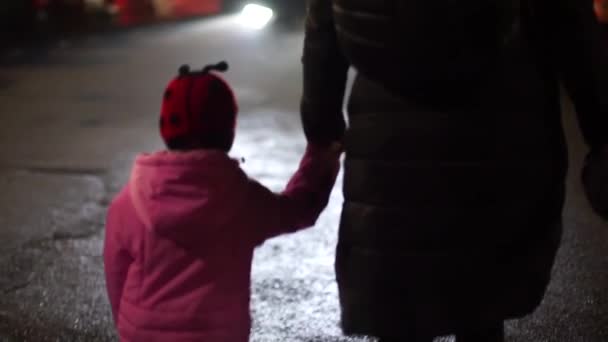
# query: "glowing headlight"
256, 16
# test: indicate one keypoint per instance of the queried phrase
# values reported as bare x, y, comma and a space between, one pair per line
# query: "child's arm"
117, 261
304, 198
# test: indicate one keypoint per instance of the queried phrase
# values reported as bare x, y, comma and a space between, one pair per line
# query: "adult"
455, 154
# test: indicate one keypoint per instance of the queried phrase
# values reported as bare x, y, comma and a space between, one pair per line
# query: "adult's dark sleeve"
325, 72
573, 39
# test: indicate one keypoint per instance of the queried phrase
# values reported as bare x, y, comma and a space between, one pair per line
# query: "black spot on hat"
175, 120
168, 94
216, 86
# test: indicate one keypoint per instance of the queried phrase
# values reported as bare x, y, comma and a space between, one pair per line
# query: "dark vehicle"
62, 15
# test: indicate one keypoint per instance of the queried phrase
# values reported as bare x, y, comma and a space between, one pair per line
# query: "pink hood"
170, 190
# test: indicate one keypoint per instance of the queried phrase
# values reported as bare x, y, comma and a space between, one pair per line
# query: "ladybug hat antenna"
221, 67
184, 70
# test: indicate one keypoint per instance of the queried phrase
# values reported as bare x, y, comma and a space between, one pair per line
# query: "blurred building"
16, 15
23, 17
130, 12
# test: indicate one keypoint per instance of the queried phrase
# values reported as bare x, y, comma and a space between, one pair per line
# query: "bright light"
256, 16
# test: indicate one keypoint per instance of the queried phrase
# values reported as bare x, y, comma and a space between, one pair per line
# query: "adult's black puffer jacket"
455, 156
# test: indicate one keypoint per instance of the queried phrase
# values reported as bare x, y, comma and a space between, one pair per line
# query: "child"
180, 235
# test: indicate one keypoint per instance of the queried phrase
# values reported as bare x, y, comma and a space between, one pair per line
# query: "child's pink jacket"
180, 238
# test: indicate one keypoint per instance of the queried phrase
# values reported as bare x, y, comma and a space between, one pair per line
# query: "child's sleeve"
117, 260
302, 201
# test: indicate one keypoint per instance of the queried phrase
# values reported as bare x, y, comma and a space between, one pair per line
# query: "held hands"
595, 181
320, 165
325, 160
329, 153
334, 150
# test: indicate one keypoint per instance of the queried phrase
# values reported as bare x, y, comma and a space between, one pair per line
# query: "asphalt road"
76, 112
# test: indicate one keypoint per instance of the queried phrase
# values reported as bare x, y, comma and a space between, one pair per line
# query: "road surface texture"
76, 112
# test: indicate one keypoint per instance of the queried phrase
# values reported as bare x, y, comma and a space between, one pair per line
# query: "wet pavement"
76, 112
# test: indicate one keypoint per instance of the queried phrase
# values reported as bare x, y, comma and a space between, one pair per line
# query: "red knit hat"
199, 110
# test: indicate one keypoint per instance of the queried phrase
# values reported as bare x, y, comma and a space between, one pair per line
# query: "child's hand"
325, 160
328, 153
334, 150
336, 147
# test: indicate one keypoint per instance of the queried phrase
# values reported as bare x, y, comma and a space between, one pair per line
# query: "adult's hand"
595, 180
